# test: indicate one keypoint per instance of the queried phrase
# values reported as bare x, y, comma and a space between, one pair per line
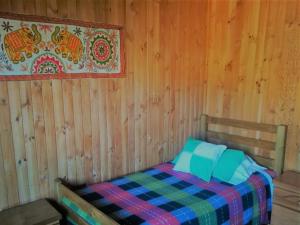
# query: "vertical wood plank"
3, 187
87, 130
109, 129
115, 14
7, 149
78, 128
129, 44
124, 126
177, 81
18, 140
67, 87
29, 136
60, 130
105, 160
153, 113
139, 59
40, 138
94, 99
114, 96
165, 69
50, 134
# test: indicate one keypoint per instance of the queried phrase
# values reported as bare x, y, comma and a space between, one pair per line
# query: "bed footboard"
65, 194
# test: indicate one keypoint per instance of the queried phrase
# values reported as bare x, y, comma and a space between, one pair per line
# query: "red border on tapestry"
33, 18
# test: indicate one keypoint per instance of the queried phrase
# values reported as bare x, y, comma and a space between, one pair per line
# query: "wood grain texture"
38, 212
30, 147
7, 150
253, 54
89, 130
18, 140
282, 215
233, 59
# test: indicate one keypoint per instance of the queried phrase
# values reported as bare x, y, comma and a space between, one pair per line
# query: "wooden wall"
94, 129
235, 59
253, 65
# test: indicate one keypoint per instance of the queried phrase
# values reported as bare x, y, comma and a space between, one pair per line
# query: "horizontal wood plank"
247, 149
252, 142
243, 124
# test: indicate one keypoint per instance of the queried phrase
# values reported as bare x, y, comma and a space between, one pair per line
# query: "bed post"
58, 182
203, 126
279, 148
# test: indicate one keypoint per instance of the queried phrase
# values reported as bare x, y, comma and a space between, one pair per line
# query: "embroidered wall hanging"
33, 47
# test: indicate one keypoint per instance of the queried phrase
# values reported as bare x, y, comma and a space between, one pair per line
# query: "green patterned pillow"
228, 163
189, 146
201, 161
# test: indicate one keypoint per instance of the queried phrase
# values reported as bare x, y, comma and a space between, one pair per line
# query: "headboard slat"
243, 124
234, 145
253, 142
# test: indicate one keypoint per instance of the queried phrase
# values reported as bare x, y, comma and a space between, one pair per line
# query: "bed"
160, 195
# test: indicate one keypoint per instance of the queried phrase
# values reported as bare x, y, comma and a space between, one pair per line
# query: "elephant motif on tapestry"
67, 44
22, 43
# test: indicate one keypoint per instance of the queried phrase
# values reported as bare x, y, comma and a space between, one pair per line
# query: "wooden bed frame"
247, 144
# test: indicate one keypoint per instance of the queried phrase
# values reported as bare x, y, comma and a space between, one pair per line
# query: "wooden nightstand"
35, 213
286, 208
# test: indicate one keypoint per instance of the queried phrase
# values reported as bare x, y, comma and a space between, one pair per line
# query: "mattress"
160, 195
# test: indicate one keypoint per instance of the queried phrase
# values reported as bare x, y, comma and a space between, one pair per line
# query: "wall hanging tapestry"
33, 47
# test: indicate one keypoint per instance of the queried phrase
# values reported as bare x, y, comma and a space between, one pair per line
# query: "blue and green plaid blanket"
160, 195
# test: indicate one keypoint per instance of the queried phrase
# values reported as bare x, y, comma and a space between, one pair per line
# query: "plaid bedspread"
160, 195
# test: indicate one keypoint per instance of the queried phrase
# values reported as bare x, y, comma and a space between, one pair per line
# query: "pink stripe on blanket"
152, 214
262, 195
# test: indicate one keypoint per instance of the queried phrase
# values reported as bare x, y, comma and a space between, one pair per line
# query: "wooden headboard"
253, 146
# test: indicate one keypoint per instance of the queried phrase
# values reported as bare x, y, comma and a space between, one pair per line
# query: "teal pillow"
201, 161
228, 163
189, 146
201, 167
